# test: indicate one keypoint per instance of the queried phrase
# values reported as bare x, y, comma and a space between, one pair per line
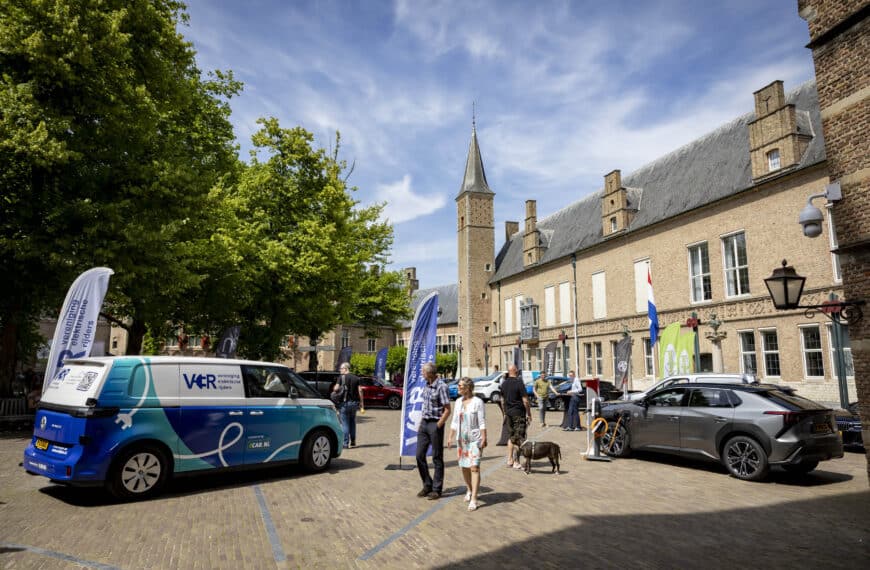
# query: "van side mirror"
294, 393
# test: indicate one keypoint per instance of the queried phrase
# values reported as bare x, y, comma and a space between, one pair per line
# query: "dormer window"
773, 160
613, 224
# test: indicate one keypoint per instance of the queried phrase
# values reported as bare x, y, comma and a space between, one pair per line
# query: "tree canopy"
309, 253
117, 150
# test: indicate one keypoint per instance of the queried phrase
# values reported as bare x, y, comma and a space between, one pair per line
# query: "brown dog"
539, 450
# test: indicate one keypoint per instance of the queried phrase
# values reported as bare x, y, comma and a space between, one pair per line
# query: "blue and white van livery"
131, 422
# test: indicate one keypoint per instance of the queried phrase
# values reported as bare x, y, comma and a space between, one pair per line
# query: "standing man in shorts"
518, 412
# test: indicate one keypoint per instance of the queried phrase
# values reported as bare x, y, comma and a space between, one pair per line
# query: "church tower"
476, 257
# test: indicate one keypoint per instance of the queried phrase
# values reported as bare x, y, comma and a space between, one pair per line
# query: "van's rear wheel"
138, 473
317, 451
495, 397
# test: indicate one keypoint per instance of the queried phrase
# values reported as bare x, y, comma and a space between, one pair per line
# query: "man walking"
350, 393
435, 413
518, 412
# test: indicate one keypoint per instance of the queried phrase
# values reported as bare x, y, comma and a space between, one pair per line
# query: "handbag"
339, 396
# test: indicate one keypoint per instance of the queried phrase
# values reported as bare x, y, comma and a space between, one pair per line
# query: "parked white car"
488, 388
711, 377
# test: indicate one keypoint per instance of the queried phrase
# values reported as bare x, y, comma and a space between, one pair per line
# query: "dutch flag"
653, 314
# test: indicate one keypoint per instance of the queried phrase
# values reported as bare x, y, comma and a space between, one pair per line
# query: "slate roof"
448, 302
475, 177
709, 169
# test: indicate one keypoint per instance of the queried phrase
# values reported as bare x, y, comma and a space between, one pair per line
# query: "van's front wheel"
138, 473
317, 451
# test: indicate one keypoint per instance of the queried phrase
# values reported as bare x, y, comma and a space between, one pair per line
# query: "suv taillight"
789, 418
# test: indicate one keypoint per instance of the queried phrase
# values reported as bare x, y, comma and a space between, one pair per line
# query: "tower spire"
475, 175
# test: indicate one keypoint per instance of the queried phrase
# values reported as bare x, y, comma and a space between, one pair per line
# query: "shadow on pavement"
786, 535
195, 484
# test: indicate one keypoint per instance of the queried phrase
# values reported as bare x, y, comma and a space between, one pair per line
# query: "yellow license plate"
41, 444
821, 428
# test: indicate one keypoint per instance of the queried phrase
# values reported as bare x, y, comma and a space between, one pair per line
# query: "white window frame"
613, 225
372, 344
805, 351
774, 160
560, 359
518, 315
550, 306
587, 354
765, 351
743, 353
345, 338
737, 268
564, 303
508, 315
599, 295
599, 359
649, 363
847, 352
702, 276
508, 356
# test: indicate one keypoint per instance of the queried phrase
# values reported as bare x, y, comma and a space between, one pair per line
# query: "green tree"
396, 356
110, 139
304, 247
362, 364
445, 363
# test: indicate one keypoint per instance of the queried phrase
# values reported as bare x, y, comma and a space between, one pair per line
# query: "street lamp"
563, 337
486, 357
786, 286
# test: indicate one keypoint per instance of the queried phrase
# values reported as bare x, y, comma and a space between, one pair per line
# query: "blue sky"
564, 91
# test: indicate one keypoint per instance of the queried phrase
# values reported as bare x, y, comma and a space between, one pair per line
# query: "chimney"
411, 277
779, 135
532, 250
510, 228
615, 211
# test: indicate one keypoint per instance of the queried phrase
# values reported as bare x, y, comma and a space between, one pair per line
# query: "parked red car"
377, 394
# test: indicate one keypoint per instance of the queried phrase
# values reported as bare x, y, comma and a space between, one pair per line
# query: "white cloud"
403, 205
414, 253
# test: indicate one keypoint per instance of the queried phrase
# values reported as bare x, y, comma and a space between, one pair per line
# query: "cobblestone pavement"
631, 513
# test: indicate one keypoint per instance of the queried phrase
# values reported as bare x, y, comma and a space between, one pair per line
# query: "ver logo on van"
202, 381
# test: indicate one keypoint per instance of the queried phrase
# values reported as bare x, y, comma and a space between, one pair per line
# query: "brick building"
839, 33
709, 221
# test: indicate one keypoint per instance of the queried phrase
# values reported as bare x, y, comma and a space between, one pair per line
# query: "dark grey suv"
746, 427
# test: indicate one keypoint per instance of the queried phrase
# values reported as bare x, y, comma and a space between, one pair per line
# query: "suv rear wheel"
495, 397
745, 458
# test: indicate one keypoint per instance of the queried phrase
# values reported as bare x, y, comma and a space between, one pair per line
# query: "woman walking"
469, 429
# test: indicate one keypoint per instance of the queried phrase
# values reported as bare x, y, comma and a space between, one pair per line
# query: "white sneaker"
467, 496
472, 506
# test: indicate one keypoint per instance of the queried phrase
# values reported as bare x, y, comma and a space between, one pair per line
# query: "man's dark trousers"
430, 433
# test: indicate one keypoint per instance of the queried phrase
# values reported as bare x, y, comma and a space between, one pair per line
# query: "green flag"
686, 353
668, 350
